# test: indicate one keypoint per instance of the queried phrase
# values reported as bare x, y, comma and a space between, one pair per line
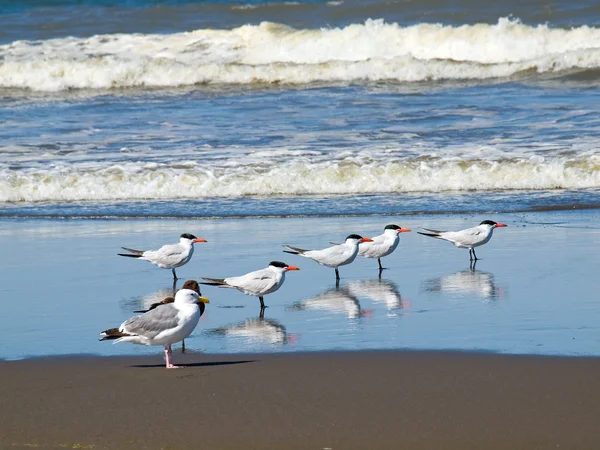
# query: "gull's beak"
203, 300
199, 240
403, 230
292, 268
366, 240
500, 225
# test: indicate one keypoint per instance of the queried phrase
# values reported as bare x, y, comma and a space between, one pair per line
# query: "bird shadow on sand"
197, 364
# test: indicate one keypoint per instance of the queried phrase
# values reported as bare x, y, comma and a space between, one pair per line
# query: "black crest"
354, 236
188, 236
278, 264
488, 222
392, 227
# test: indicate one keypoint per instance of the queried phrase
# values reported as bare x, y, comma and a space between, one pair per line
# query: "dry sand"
351, 400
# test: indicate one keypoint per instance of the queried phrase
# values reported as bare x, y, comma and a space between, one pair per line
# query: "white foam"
275, 53
348, 176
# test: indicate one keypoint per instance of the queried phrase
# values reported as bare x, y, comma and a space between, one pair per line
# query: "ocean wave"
138, 182
275, 53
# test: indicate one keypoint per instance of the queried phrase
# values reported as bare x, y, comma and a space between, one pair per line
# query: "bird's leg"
380, 271
174, 275
337, 274
262, 306
380, 266
174, 286
168, 353
475, 258
183, 346
337, 283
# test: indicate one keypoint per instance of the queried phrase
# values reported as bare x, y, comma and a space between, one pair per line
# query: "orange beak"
292, 268
199, 240
500, 225
403, 230
366, 240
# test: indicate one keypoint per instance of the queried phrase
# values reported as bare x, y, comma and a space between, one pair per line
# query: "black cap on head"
392, 227
354, 236
278, 264
188, 236
488, 222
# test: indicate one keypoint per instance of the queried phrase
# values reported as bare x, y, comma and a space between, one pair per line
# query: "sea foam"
275, 53
132, 181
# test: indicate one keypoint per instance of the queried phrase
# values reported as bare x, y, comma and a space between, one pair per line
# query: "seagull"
168, 256
468, 238
336, 256
382, 245
164, 325
258, 283
190, 284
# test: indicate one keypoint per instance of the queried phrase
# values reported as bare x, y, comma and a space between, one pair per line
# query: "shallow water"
533, 291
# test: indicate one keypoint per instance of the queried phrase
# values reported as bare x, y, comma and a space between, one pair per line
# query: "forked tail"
213, 281
430, 233
294, 250
134, 253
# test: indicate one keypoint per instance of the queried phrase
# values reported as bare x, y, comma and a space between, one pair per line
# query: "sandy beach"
347, 400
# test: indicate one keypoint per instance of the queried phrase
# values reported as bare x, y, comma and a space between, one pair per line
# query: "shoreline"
351, 399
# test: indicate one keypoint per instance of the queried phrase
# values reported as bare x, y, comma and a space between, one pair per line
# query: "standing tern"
164, 325
168, 256
468, 238
382, 245
258, 283
336, 256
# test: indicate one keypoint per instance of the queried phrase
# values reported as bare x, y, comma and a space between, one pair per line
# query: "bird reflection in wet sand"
468, 281
259, 329
337, 299
380, 291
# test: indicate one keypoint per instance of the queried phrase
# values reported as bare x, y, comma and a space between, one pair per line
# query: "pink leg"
168, 353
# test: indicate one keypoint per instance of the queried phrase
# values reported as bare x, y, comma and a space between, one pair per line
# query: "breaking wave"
133, 181
275, 53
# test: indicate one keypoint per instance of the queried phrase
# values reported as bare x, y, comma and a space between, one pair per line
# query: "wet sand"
347, 400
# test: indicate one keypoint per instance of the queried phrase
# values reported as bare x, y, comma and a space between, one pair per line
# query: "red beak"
199, 240
366, 240
403, 230
500, 225
292, 268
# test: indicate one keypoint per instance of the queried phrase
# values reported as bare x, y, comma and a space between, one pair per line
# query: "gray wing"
257, 281
152, 323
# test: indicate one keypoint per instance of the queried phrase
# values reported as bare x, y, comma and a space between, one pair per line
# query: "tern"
258, 283
468, 238
168, 256
164, 325
382, 245
336, 256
